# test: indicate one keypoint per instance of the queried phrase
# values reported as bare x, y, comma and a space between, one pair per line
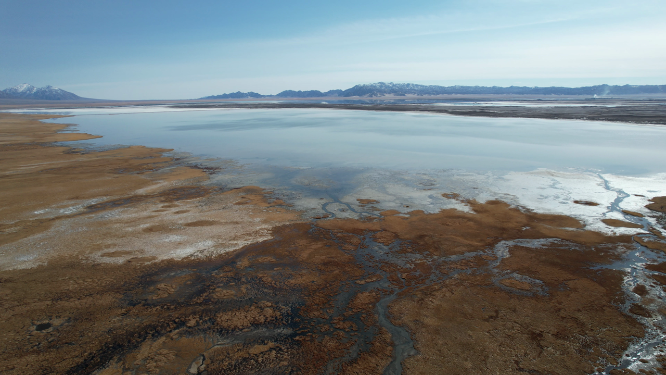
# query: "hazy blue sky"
175, 49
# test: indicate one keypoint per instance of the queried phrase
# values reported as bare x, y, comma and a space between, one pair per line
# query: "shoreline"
619, 109
635, 114
61, 182
143, 279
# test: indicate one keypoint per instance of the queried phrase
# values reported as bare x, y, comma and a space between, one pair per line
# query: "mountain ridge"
403, 89
27, 91
371, 90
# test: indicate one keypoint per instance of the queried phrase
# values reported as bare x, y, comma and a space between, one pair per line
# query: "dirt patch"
620, 223
251, 316
658, 204
202, 223
651, 244
116, 254
657, 233
451, 195
586, 203
632, 213
516, 284
641, 290
659, 267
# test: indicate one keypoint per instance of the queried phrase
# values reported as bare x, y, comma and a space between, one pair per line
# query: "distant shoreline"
627, 109
6, 103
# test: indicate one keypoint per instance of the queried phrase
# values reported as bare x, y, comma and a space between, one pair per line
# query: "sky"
189, 49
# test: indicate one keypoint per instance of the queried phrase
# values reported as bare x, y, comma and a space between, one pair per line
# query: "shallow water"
323, 160
345, 138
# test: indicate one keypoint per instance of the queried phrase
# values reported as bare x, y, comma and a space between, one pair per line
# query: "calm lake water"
409, 141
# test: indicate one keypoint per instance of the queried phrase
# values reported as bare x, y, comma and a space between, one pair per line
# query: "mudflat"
615, 110
127, 261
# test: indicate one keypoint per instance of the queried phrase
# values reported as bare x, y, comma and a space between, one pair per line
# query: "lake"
322, 161
368, 139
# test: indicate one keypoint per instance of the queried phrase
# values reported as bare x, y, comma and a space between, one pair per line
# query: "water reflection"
343, 138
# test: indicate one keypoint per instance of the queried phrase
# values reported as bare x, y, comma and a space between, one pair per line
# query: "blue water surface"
348, 138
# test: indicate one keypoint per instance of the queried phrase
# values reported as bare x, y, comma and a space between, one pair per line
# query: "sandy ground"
123, 262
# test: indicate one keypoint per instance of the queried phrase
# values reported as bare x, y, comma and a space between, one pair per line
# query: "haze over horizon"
178, 50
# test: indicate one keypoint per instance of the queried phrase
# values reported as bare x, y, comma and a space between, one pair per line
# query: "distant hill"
400, 89
236, 95
26, 91
283, 94
308, 94
403, 89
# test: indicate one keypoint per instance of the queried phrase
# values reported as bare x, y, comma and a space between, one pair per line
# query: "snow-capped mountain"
403, 89
26, 91
23, 89
380, 89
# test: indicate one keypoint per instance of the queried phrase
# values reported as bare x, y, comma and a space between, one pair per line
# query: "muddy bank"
638, 112
126, 262
115, 205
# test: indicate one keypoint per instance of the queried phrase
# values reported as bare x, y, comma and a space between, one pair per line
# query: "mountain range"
373, 90
26, 91
283, 94
403, 89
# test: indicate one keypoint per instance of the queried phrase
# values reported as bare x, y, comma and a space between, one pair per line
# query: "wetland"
291, 240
